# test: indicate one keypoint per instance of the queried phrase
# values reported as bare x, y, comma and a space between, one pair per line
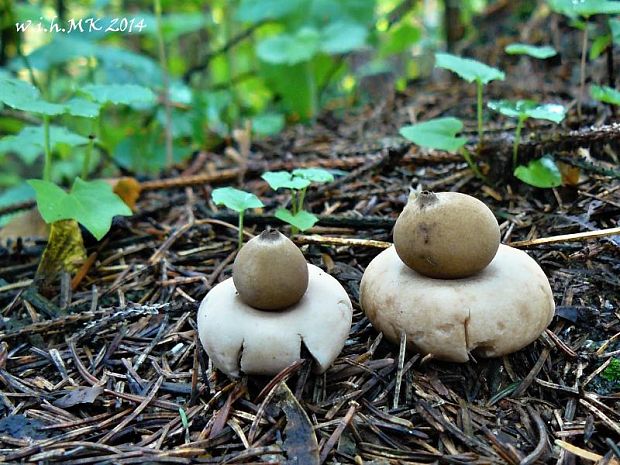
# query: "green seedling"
605, 94
583, 10
297, 182
440, 134
523, 110
541, 52
93, 204
238, 201
542, 173
471, 71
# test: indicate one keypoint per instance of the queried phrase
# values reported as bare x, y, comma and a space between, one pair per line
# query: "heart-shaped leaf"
468, 69
235, 199
542, 173
318, 175
439, 133
302, 220
93, 204
605, 94
284, 179
290, 49
119, 94
541, 52
524, 109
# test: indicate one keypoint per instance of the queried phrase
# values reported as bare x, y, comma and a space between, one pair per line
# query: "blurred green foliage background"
213, 65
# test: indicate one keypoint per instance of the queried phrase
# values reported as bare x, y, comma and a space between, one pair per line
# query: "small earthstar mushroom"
239, 328
446, 234
496, 311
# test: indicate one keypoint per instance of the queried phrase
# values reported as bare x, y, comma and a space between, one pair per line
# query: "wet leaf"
235, 199
542, 173
524, 109
318, 175
584, 8
302, 220
80, 395
439, 133
64, 251
284, 179
541, 52
300, 445
468, 69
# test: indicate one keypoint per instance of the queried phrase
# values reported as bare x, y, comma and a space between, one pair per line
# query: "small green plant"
605, 94
541, 52
238, 201
523, 110
471, 71
440, 134
580, 12
91, 203
542, 173
297, 182
612, 371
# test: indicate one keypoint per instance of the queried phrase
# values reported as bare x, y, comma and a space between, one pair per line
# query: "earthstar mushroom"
486, 309
239, 337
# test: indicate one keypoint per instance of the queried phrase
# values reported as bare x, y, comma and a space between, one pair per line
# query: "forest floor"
107, 369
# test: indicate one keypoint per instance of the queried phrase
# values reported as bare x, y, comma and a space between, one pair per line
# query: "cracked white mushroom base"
238, 337
499, 310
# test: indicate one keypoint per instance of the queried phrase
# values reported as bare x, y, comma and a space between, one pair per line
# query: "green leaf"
93, 204
524, 109
119, 94
284, 179
605, 94
28, 143
542, 173
468, 69
541, 52
318, 175
302, 220
290, 49
268, 124
342, 37
584, 8
439, 133
599, 45
253, 11
235, 199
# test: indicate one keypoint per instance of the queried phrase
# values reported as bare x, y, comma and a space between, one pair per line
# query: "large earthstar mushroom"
494, 310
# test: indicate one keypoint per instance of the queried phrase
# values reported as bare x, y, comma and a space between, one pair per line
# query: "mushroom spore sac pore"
497, 311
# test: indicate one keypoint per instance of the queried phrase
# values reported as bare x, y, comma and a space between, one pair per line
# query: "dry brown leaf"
28, 224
